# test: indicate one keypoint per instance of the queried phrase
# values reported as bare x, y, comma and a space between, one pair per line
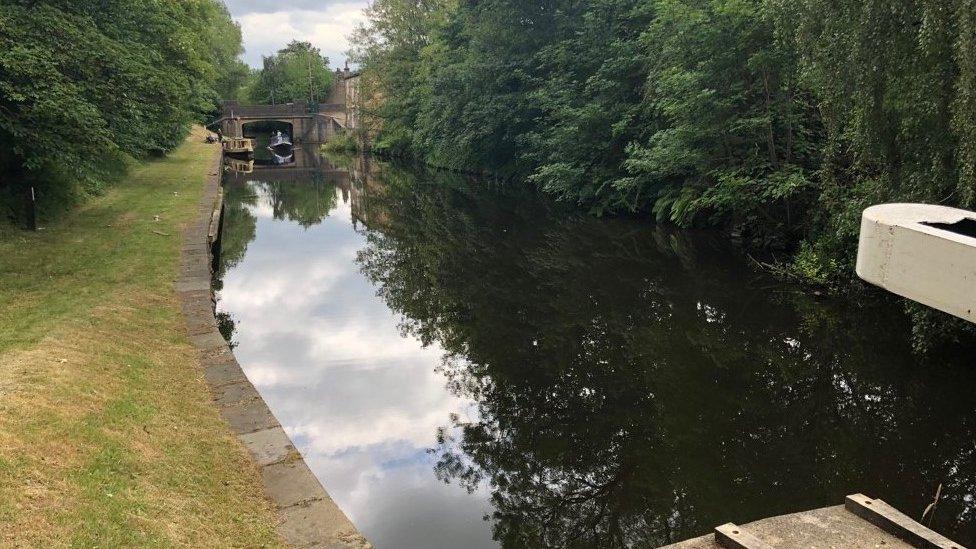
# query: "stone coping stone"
290, 483
830, 527
269, 446
317, 521
248, 417
207, 341
235, 394
307, 516
224, 373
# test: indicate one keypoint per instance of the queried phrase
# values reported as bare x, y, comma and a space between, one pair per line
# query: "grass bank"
107, 432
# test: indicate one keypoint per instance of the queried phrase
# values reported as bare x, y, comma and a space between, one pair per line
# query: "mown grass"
108, 437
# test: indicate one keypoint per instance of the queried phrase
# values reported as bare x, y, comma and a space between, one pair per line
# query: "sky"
269, 25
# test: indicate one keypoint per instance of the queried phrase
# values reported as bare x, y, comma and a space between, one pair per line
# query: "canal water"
465, 364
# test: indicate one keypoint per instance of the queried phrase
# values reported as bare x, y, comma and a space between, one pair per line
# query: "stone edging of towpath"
307, 516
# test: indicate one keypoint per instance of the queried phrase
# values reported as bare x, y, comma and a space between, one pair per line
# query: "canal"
465, 364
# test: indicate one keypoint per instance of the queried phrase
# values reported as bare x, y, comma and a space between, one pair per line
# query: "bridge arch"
311, 122
264, 127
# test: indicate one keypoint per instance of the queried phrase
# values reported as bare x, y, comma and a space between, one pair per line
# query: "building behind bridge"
345, 91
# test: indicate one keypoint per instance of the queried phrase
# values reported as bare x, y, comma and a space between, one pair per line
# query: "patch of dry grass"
107, 434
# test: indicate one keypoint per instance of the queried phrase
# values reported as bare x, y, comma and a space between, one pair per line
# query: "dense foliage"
779, 120
85, 84
298, 72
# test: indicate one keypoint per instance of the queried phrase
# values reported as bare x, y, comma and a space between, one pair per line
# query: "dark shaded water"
443, 350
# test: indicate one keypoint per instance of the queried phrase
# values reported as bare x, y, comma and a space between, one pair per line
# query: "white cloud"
241, 7
362, 402
265, 32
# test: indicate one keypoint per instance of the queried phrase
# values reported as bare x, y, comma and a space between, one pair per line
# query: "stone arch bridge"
310, 122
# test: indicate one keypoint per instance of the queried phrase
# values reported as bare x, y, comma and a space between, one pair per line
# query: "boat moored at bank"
239, 145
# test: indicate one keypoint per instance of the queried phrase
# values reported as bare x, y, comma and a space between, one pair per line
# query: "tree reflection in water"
638, 386
306, 203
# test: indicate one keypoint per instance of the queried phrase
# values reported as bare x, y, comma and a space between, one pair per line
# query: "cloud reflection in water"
362, 402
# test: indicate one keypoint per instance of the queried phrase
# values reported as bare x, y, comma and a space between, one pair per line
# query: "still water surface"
464, 364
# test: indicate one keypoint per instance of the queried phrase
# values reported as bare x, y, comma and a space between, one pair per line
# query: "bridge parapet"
231, 109
234, 109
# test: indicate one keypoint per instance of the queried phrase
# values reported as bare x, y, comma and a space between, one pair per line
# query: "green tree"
895, 85
299, 72
83, 84
734, 142
774, 120
398, 43
591, 97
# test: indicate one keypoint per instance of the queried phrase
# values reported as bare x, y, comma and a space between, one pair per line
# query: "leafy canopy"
83, 84
299, 72
779, 120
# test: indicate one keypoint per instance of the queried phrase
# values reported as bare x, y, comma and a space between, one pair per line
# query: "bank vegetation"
778, 121
85, 87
